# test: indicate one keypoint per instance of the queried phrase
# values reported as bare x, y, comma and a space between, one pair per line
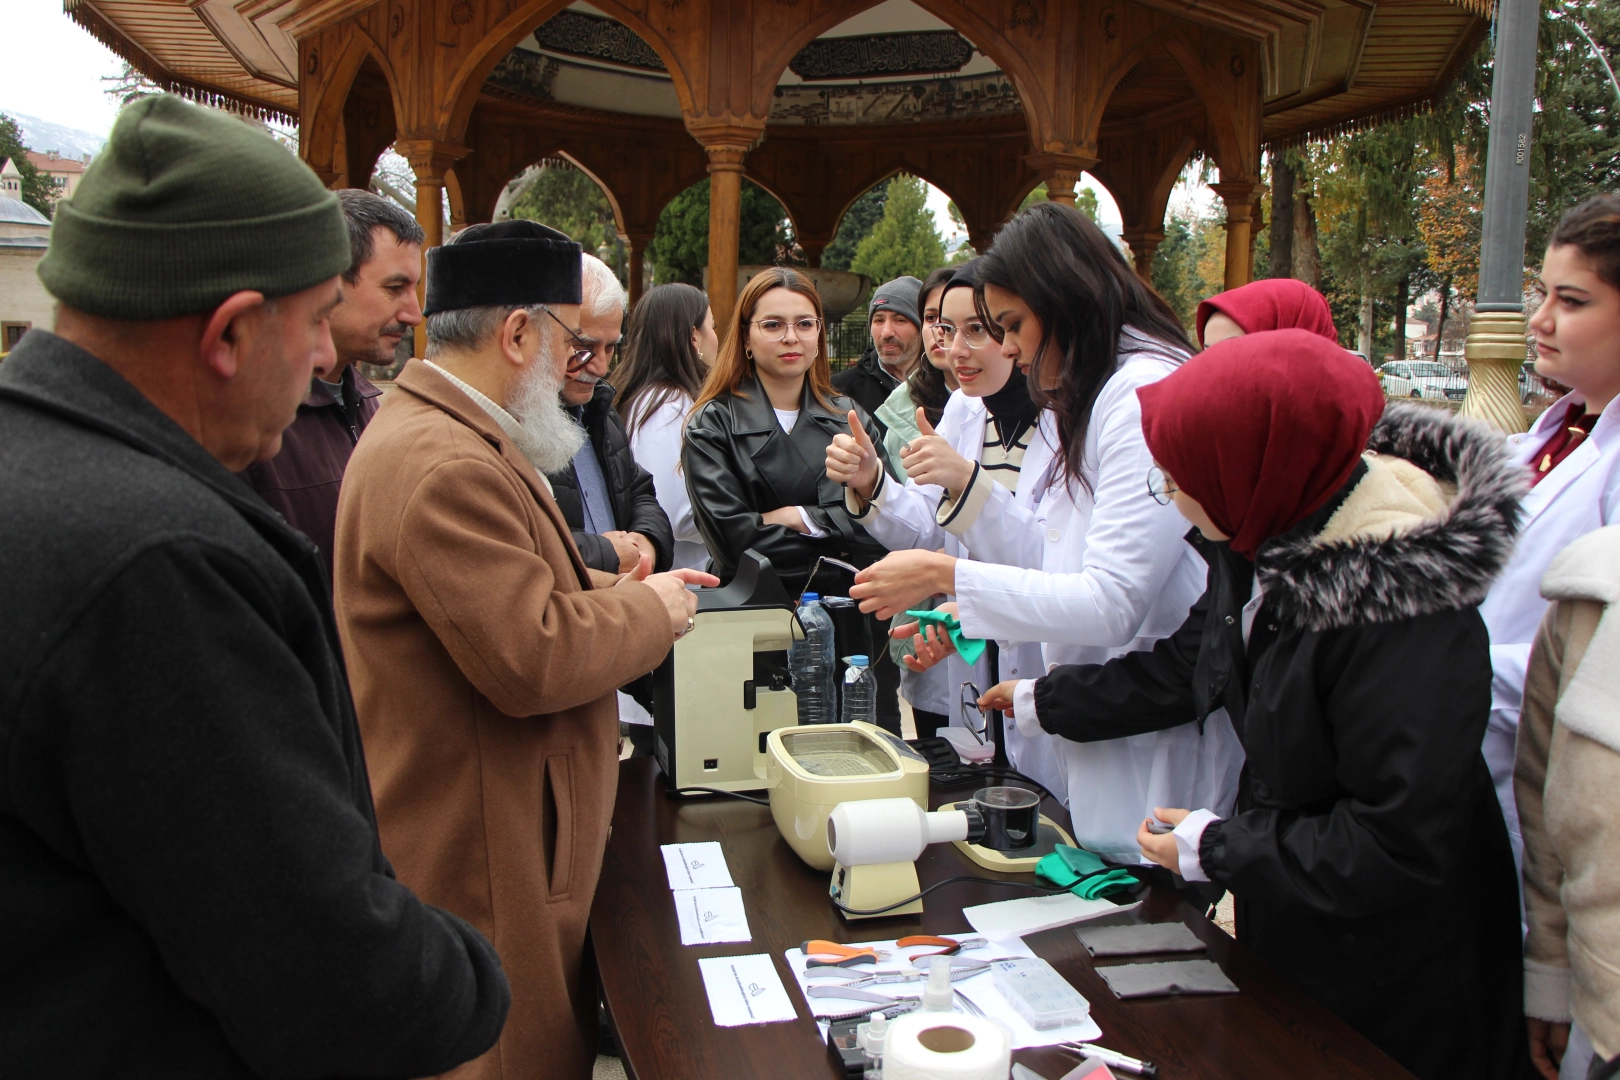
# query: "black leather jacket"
740, 464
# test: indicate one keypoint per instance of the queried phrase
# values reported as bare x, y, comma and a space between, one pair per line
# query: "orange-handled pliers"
824, 953
945, 946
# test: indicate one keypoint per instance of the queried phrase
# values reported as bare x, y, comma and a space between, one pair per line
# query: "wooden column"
635, 245
1143, 244
814, 247
1239, 200
1061, 171
726, 146
430, 160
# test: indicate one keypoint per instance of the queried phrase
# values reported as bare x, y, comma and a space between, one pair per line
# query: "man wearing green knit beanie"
193, 797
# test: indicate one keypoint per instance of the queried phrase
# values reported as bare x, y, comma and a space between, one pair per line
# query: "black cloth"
191, 883
1368, 853
635, 501
868, 383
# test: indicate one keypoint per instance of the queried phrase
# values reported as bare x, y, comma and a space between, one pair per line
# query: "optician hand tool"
958, 971
880, 1000
1112, 1058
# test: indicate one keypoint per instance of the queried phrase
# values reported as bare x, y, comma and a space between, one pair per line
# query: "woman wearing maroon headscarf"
1349, 546
1268, 304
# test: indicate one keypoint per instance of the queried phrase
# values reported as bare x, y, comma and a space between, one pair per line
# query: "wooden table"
656, 999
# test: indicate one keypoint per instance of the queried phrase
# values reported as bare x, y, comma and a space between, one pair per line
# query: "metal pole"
1496, 345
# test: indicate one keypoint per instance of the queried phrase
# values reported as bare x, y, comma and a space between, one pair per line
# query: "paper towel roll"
946, 1046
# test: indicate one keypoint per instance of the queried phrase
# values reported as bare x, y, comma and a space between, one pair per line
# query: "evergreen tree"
38, 190
680, 248
906, 241
856, 225
567, 199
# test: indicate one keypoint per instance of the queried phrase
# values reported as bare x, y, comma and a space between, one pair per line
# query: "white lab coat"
1111, 574
656, 446
905, 516
1581, 494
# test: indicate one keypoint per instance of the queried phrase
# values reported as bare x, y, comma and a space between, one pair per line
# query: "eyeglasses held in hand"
970, 703
974, 332
774, 329
1160, 486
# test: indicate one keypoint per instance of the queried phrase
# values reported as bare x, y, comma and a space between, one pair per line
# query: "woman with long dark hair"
755, 454
1079, 558
1349, 546
667, 352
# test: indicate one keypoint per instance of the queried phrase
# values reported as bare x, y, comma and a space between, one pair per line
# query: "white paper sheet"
696, 866
745, 990
980, 989
711, 915
1032, 914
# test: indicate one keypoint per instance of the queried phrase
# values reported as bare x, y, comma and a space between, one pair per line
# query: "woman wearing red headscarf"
1367, 854
1268, 304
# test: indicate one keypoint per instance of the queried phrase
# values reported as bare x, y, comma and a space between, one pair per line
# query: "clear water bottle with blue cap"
860, 691
811, 662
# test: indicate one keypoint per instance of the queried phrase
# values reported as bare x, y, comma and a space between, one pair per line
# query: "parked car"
1423, 379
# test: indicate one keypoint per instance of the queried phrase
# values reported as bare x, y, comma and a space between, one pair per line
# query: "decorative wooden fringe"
103, 31
1323, 133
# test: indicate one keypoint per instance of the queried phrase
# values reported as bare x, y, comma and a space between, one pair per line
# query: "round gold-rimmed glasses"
1160, 486
974, 332
772, 328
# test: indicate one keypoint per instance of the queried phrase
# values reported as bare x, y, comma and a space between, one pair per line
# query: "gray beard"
550, 438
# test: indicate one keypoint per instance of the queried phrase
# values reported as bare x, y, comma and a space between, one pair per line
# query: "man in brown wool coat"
483, 653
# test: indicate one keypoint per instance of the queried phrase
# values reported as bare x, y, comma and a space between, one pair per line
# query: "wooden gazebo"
814, 100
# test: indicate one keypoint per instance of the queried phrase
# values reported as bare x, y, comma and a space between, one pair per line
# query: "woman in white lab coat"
989, 423
1082, 558
670, 344
1571, 455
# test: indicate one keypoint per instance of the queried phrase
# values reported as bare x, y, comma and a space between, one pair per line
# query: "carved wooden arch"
1233, 115
960, 15
523, 20
321, 110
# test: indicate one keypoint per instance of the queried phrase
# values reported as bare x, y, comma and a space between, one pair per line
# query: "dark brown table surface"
656, 1000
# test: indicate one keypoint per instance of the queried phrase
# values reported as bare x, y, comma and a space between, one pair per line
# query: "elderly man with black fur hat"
484, 653
190, 877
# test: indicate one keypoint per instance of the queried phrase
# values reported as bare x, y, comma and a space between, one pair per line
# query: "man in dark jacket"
896, 325
191, 882
608, 500
379, 308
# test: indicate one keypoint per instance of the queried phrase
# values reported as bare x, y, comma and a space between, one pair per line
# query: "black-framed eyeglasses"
774, 329
583, 350
974, 332
1160, 486
969, 705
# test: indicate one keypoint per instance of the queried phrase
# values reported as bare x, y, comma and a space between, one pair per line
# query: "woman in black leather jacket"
756, 449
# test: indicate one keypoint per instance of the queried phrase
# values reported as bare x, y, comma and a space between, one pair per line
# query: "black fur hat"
513, 263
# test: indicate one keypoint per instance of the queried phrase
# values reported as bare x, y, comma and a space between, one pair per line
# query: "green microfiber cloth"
969, 649
1083, 873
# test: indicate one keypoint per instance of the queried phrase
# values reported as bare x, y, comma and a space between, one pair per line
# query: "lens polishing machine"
726, 685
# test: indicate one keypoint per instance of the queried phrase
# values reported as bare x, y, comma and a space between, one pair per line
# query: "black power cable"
732, 794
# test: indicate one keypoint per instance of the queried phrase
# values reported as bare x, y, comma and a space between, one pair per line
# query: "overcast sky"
53, 68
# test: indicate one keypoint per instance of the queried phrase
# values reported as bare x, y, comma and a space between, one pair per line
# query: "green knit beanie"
185, 206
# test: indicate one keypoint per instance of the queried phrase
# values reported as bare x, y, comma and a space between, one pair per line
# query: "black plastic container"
1011, 815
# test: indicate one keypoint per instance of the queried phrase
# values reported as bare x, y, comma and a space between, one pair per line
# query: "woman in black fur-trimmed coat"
1367, 854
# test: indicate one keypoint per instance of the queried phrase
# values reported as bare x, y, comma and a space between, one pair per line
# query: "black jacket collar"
55, 376
754, 414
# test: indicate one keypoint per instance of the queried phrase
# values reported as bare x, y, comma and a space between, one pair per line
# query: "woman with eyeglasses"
931, 693
1349, 547
755, 454
1078, 558
984, 431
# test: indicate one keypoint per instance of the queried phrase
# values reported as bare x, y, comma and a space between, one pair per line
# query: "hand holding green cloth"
969, 649
1083, 873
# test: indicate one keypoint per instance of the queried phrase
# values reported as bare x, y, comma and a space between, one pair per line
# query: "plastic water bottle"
811, 663
860, 691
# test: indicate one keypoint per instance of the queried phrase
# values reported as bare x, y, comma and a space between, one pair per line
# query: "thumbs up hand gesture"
852, 459
929, 459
